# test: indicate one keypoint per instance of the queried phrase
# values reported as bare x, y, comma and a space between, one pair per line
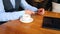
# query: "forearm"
25, 5
10, 15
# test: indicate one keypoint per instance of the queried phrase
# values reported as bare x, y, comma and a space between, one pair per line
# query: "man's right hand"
29, 12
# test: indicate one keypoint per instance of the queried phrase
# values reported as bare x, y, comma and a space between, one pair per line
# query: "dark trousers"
2, 22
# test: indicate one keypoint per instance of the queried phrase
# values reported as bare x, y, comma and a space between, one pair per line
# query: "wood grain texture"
35, 27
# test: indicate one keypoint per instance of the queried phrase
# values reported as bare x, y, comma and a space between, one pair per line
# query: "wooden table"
35, 27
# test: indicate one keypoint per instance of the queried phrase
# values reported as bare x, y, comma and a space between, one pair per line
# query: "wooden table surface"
35, 27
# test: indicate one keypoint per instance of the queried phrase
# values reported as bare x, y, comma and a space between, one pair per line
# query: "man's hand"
29, 12
41, 11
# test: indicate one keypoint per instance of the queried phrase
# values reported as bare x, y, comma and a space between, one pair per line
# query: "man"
9, 9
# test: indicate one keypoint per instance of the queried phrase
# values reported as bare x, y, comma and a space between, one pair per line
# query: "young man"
9, 9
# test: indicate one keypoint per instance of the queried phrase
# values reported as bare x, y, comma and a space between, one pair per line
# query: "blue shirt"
4, 16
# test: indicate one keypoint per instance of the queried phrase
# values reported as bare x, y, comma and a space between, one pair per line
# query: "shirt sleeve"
10, 15
5, 16
25, 5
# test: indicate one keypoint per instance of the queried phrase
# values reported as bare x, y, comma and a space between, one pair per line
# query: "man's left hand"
41, 11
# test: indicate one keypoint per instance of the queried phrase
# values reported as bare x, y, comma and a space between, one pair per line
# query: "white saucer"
29, 21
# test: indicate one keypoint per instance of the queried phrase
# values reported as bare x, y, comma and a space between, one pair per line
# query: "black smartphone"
2, 22
51, 23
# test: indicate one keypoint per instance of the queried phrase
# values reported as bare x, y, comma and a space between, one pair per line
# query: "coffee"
26, 18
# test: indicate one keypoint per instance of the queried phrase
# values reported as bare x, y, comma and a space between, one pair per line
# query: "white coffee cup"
26, 18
